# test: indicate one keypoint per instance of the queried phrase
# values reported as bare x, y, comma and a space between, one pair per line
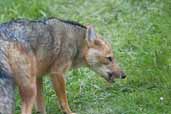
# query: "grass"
139, 31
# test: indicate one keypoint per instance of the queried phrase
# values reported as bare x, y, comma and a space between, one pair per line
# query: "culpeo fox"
32, 49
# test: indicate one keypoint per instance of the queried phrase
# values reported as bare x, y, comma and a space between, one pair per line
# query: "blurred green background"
140, 34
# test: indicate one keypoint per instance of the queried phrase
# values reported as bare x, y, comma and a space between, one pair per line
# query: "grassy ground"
140, 33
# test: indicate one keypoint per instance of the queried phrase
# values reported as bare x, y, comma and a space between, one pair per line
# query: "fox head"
100, 58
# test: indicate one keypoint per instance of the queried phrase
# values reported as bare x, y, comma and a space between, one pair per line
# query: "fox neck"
80, 60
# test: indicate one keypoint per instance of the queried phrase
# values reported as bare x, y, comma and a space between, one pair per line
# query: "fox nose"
123, 75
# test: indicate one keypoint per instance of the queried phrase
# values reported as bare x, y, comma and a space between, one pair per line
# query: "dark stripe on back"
73, 23
21, 20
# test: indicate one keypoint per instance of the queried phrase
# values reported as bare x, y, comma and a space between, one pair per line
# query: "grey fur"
7, 96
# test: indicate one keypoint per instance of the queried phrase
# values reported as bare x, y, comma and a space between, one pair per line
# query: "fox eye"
109, 59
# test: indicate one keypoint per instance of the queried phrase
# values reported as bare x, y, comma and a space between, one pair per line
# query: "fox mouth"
110, 77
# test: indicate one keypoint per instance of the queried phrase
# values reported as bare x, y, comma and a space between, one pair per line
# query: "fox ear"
91, 34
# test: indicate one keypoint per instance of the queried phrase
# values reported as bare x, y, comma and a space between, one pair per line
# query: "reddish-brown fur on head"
100, 58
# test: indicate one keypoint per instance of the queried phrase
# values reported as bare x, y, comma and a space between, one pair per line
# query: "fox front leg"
40, 105
59, 86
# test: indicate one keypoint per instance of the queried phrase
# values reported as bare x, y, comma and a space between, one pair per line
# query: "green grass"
140, 34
